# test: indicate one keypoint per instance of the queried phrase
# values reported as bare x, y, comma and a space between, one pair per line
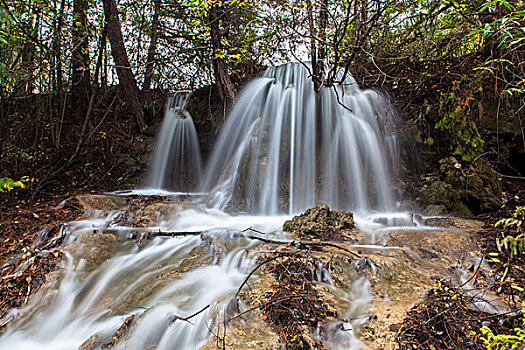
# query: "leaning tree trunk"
322, 53
127, 81
220, 68
150, 62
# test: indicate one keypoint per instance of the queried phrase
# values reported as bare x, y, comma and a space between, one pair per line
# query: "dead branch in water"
260, 265
294, 243
187, 319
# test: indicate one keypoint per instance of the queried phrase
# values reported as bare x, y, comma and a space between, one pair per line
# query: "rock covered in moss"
322, 223
464, 190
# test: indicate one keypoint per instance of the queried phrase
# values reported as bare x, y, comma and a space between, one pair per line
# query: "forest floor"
31, 249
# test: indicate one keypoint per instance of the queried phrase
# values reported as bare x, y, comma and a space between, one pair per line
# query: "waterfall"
176, 161
284, 149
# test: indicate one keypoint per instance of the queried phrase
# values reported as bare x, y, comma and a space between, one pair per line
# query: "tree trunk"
127, 81
80, 76
220, 68
24, 85
313, 45
150, 62
59, 83
321, 58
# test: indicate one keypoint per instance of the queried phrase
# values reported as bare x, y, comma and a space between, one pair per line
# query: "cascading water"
269, 158
177, 161
156, 280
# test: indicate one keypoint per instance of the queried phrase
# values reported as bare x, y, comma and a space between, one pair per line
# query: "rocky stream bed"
133, 271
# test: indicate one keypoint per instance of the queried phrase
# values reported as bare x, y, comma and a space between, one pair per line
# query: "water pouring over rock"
284, 149
177, 163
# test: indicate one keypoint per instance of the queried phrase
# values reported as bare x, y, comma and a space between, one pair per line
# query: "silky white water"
283, 149
176, 162
105, 279
156, 280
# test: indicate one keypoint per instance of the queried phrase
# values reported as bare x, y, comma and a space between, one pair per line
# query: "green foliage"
504, 341
454, 110
507, 30
8, 184
429, 141
514, 243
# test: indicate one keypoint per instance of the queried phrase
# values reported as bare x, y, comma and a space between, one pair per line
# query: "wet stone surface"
322, 223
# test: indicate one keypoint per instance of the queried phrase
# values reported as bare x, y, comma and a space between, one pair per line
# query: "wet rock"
100, 204
217, 250
121, 332
443, 195
208, 111
92, 343
445, 246
451, 222
436, 209
322, 223
364, 265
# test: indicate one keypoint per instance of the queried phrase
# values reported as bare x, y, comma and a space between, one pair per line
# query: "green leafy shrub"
7, 184
455, 110
504, 341
514, 243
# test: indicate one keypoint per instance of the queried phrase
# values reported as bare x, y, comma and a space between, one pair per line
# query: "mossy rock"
440, 192
463, 190
322, 223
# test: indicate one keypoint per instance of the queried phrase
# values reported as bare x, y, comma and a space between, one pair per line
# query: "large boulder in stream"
322, 223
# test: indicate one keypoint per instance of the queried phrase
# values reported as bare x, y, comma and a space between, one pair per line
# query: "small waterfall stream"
107, 279
276, 154
176, 162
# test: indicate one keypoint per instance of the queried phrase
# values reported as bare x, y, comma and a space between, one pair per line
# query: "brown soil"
30, 251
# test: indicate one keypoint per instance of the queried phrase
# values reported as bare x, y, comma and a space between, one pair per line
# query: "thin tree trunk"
59, 84
220, 69
313, 45
150, 62
24, 85
80, 76
323, 23
127, 81
105, 66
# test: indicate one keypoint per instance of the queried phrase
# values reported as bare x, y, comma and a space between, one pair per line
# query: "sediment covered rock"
322, 223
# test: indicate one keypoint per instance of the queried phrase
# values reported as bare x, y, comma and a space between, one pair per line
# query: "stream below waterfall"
111, 271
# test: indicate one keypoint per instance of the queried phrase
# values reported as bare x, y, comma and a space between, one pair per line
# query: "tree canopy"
59, 58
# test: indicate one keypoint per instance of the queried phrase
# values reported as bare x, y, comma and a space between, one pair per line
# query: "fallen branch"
259, 265
270, 302
304, 244
187, 319
153, 234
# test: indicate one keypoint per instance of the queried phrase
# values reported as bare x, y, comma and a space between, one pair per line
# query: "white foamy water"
158, 279
277, 154
176, 162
